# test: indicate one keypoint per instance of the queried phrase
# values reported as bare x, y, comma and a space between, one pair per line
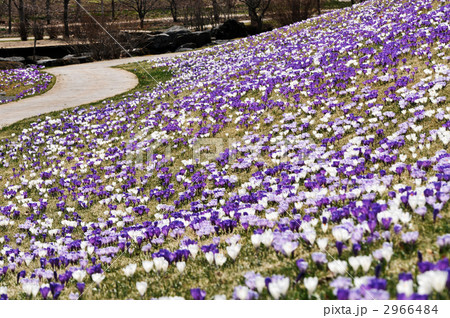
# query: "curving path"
76, 85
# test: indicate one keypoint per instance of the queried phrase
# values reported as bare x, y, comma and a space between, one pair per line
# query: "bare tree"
173, 5
229, 7
256, 10
23, 31
286, 12
113, 9
318, 6
216, 11
9, 16
141, 7
35, 13
66, 18
47, 11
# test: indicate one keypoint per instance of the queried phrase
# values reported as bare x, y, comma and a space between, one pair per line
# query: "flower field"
310, 162
19, 83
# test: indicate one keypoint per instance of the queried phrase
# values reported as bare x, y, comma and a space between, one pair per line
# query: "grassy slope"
222, 280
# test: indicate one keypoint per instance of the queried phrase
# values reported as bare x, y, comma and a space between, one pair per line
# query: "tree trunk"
260, 24
66, 18
174, 10
253, 16
35, 35
22, 22
9, 16
102, 7
47, 11
113, 9
318, 7
141, 19
216, 12
78, 10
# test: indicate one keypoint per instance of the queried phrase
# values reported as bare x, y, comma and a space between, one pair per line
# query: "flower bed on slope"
19, 83
307, 162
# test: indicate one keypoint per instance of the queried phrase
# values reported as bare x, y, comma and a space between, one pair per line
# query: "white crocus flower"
233, 250
220, 297
311, 284
354, 262
141, 287
193, 249
322, 243
79, 275
129, 270
341, 234
431, 280
209, 257
279, 287
220, 259
242, 292
365, 262
405, 287
148, 266
98, 278
387, 252
28, 259
181, 266
338, 267
256, 240
267, 238
161, 264
260, 283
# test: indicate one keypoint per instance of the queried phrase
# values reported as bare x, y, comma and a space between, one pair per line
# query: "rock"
176, 30
202, 38
188, 46
68, 57
183, 38
181, 49
85, 59
19, 59
2, 93
230, 29
37, 58
158, 43
51, 62
8, 65
136, 52
70, 61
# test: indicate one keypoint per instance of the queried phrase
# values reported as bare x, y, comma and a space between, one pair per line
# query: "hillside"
307, 162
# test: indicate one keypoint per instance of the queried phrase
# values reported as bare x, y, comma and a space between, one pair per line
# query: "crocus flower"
198, 294
278, 286
219, 259
233, 250
129, 270
147, 265
97, 278
79, 275
432, 280
181, 266
310, 284
338, 267
160, 264
141, 287
244, 293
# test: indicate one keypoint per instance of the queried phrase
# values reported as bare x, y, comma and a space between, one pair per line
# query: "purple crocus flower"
198, 294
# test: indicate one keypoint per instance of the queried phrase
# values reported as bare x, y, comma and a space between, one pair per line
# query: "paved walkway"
76, 85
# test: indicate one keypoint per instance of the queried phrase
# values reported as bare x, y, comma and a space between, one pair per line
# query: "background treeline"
59, 18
